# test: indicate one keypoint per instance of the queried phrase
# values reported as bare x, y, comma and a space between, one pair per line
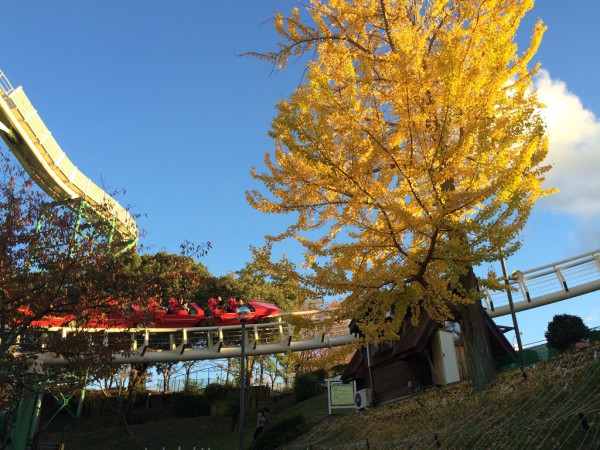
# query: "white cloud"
574, 152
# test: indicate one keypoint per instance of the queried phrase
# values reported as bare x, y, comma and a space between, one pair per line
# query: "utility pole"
514, 316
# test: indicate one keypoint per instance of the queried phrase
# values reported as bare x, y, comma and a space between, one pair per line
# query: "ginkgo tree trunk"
411, 152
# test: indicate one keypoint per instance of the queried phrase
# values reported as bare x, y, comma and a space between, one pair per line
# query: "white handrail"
547, 284
5, 84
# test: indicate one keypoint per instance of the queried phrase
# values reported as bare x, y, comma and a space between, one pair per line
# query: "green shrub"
306, 386
191, 405
321, 375
279, 433
193, 401
566, 330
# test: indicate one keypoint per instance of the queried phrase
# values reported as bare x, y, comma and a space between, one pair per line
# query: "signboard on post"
340, 395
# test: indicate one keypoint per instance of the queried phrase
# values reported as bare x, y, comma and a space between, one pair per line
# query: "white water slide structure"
47, 164
40, 155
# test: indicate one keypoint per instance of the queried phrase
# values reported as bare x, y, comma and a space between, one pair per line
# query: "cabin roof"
413, 342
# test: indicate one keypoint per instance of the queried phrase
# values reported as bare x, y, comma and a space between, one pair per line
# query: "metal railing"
5, 84
547, 284
201, 343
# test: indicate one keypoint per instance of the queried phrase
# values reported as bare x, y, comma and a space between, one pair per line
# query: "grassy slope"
539, 412
199, 432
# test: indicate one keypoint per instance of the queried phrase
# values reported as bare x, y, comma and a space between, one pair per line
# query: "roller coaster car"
130, 317
49, 320
161, 317
259, 312
156, 316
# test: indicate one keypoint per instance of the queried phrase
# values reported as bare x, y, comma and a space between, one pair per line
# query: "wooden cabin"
426, 355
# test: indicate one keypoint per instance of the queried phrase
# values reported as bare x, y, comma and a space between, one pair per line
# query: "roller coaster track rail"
532, 288
154, 345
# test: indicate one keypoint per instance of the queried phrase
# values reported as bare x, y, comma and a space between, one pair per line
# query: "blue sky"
151, 97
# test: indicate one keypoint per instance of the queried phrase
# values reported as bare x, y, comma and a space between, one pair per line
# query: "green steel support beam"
27, 415
81, 398
63, 403
80, 212
94, 220
127, 245
111, 233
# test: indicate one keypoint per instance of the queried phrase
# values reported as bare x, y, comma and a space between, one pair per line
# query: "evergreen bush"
306, 385
193, 401
565, 330
321, 375
216, 391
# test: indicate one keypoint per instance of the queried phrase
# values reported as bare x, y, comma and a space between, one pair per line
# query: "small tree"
50, 264
566, 330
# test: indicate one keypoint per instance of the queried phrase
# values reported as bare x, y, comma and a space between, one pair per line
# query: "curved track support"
190, 344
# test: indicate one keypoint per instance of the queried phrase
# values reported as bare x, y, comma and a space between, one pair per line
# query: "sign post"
340, 395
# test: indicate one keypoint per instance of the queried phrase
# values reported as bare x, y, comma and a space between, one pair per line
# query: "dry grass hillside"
556, 406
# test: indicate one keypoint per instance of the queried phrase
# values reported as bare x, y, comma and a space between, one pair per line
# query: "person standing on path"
260, 422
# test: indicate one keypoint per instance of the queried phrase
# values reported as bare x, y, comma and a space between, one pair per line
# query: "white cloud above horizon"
574, 150
574, 153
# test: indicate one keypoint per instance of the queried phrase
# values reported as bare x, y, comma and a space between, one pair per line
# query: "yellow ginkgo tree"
411, 152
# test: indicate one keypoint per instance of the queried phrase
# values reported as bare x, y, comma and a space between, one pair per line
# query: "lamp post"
242, 314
